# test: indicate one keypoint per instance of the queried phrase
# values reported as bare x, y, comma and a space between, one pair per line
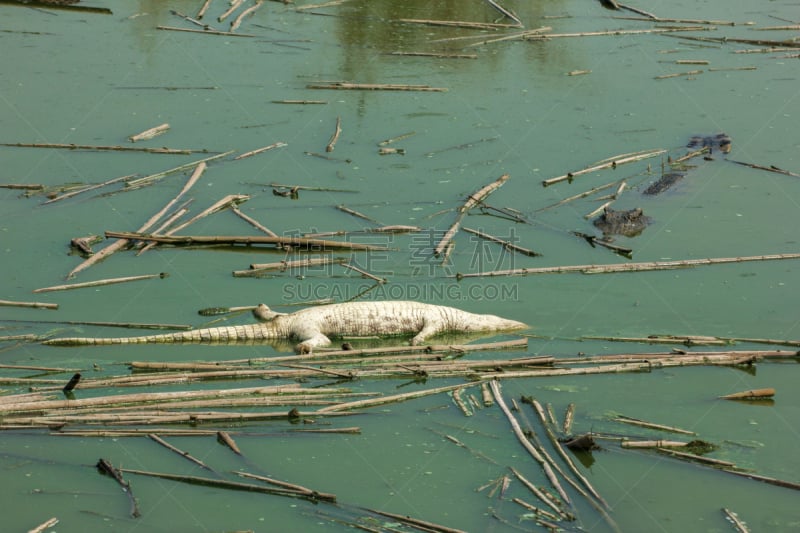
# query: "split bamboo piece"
150, 133
612, 162
101, 282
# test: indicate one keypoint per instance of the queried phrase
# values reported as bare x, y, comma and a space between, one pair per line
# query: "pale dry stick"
279, 144
170, 220
480, 195
422, 525
793, 27
612, 163
734, 519
307, 262
229, 240
458, 24
494, 384
355, 213
616, 194
206, 32
536, 510
554, 440
512, 37
191, 20
398, 138
697, 458
344, 86
101, 282
247, 12
219, 205
316, 6
225, 438
86, 189
597, 211
724, 69
150, 133
364, 273
47, 524
631, 267
686, 21
642, 423
653, 444
678, 74
105, 148
37, 305
203, 9
253, 222
304, 102
234, 5
335, 136
541, 495
610, 369
459, 401
180, 452
447, 237
618, 32
384, 399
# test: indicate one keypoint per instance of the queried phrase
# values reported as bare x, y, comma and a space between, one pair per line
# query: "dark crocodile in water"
720, 142
663, 183
628, 223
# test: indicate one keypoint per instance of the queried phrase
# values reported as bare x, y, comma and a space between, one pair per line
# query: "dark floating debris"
628, 223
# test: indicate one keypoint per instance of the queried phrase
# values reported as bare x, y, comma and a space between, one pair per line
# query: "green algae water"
532, 109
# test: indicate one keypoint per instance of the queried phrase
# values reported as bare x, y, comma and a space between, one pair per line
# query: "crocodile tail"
228, 334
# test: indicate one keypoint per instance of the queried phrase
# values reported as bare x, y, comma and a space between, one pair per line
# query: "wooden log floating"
347, 86
150, 133
755, 394
36, 305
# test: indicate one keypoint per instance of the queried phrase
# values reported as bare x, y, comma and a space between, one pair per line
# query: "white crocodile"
314, 326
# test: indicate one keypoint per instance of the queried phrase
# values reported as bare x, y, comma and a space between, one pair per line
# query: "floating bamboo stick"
234, 5
308, 188
37, 305
150, 133
207, 32
341, 85
734, 519
480, 195
253, 222
355, 213
47, 524
398, 138
272, 146
189, 19
248, 240
203, 9
86, 189
458, 24
630, 267
446, 238
364, 273
180, 452
152, 178
685, 21
433, 54
618, 32
678, 74
686, 340
247, 12
764, 479
383, 400
608, 163
505, 12
335, 137
422, 525
24, 186
102, 148
101, 282
755, 394
291, 486
569, 416
301, 263
536, 510
506, 244
697, 458
651, 425
770, 168
304, 102
653, 444
227, 440
541, 495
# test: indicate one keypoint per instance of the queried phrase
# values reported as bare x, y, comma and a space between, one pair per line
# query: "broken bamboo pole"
755, 394
613, 163
507, 245
200, 240
37, 305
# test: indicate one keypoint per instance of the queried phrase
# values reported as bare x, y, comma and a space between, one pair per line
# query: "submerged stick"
86, 189
335, 136
180, 452
106, 467
417, 523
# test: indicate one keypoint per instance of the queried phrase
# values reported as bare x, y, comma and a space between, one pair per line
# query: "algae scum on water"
621, 178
